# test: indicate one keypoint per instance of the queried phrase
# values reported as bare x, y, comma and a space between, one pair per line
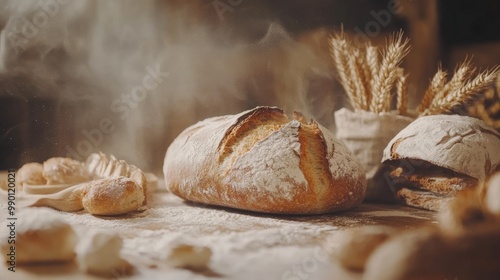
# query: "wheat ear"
402, 92
365, 75
467, 93
339, 51
357, 75
372, 61
463, 72
436, 85
387, 74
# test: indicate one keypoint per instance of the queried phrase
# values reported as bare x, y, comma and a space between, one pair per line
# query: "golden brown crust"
423, 199
103, 166
246, 124
314, 165
434, 180
112, 196
269, 164
300, 117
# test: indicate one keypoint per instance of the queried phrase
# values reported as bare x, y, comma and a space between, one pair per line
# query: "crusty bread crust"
112, 196
103, 166
434, 180
462, 144
423, 199
261, 161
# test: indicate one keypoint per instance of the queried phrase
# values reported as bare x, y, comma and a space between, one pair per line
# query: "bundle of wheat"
369, 79
443, 97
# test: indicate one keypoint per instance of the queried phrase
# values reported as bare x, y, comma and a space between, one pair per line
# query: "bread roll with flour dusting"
260, 160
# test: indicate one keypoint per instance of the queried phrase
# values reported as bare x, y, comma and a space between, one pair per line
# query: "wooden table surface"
245, 245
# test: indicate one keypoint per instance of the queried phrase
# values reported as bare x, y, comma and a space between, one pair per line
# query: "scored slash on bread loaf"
261, 161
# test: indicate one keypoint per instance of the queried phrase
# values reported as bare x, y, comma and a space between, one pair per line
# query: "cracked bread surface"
462, 144
261, 161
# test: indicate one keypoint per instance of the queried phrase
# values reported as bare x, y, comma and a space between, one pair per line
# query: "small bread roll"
102, 166
41, 236
356, 245
31, 173
65, 171
112, 196
99, 253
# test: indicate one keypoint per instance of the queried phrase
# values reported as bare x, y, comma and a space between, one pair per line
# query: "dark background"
36, 124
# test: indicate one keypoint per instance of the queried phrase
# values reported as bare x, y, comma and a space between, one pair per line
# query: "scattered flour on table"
393, 214
242, 243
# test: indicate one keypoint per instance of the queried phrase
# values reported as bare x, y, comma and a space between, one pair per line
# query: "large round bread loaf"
261, 161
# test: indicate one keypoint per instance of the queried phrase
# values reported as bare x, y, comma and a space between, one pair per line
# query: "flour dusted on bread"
103, 166
461, 144
112, 196
259, 160
436, 157
275, 175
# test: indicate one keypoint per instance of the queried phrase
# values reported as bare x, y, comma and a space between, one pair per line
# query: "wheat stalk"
365, 75
372, 60
402, 92
463, 72
387, 74
339, 51
436, 85
357, 76
464, 94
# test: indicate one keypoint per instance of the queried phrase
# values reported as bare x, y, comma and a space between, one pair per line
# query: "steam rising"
93, 54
